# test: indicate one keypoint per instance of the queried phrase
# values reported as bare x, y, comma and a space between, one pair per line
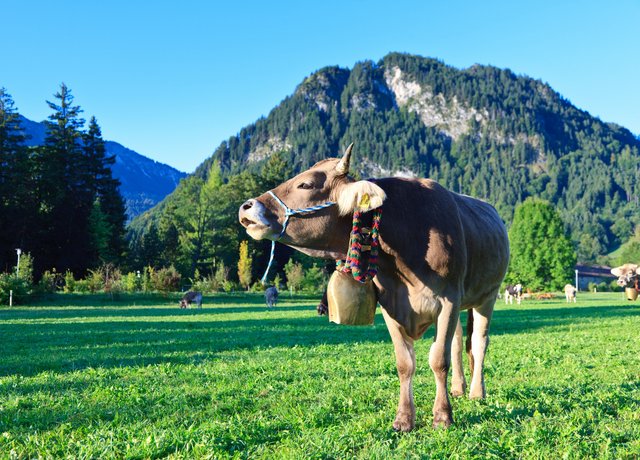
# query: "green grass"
86, 377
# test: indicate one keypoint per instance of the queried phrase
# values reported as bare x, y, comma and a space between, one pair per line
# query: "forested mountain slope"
482, 131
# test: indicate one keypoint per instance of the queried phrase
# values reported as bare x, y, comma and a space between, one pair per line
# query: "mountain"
144, 182
482, 131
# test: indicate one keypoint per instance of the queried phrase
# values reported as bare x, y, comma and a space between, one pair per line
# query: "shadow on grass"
64, 339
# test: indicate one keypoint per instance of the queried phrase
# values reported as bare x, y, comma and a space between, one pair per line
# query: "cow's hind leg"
440, 360
406, 365
479, 344
458, 384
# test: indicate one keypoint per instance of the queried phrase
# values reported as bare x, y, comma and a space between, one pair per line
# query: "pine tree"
99, 232
99, 180
16, 209
65, 201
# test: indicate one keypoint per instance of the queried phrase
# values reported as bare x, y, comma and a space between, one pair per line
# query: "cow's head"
321, 233
626, 274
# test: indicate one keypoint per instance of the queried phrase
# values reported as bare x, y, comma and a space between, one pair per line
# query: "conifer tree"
103, 187
65, 202
15, 183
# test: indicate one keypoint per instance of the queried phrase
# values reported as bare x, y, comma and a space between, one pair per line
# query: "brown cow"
627, 275
440, 253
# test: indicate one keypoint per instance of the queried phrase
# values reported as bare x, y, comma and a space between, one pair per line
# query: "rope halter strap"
288, 212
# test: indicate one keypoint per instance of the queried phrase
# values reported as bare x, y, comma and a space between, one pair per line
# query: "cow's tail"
468, 342
469, 330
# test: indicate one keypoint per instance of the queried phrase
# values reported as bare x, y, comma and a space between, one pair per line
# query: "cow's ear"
617, 271
360, 196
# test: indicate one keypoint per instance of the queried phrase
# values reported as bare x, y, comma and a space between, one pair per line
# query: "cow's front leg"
440, 361
406, 364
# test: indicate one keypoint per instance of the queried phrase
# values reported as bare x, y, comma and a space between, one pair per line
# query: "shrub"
208, 284
49, 282
131, 282
166, 279
228, 286
257, 286
69, 282
221, 278
94, 281
295, 275
82, 286
147, 276
25, 271
10, 282
313, 279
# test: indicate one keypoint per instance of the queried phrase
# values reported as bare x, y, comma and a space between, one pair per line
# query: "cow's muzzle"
252, 216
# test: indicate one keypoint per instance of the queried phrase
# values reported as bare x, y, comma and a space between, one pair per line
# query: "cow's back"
435, 236
487, 245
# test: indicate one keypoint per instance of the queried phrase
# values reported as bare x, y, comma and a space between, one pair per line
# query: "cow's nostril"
247, 205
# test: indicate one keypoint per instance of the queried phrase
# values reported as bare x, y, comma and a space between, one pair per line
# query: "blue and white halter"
288, 212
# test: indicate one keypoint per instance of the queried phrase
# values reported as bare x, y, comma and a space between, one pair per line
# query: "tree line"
58, 202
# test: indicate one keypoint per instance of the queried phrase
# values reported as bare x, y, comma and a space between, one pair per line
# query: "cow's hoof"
478, 394
458, 391
442, 420
404, 423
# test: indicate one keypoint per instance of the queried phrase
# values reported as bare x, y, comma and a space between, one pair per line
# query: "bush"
147, 283
82, 286
131, 282
94, 281
295, 275
166, 279
49, 282
221, 279
314, 279
229, 286
257, 286
69, 282
10, 282
25, 271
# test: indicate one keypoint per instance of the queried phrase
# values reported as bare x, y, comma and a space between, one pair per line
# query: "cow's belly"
415, 310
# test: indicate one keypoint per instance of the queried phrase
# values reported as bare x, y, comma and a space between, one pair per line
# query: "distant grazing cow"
440, 253
570, 293
513, 291
190, 297
271, 297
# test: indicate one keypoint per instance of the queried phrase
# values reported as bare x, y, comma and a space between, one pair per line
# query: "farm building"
593, 274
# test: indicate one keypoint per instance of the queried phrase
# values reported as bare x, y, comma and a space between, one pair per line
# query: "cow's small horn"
343, 164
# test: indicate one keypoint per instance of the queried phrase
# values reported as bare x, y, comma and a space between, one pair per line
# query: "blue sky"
172, 80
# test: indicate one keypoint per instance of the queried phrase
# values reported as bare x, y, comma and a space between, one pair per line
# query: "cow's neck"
321, 253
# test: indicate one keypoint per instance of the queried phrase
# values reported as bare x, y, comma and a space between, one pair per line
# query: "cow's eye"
305, 185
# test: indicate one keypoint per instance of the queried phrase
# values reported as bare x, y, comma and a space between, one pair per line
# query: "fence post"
11, 297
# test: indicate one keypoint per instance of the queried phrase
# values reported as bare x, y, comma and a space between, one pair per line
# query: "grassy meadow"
87, 377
